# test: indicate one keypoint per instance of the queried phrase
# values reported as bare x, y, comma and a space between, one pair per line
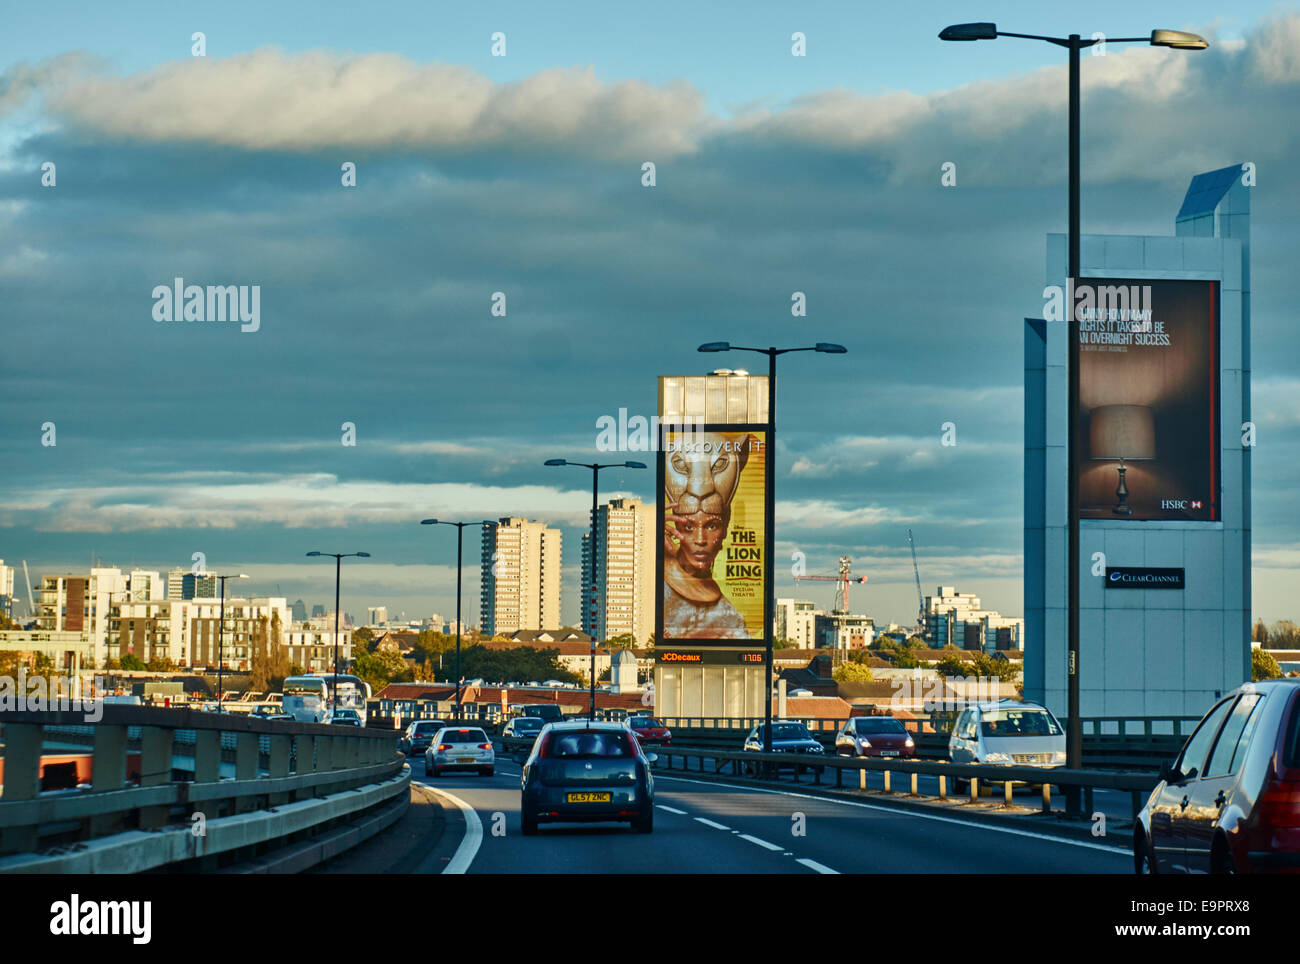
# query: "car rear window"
1019, 723
464, 736
1291, 747
880, 726
589, 743
787, 731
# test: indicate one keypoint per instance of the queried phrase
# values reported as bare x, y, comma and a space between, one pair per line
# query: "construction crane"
844, 579
31, 603
920, 599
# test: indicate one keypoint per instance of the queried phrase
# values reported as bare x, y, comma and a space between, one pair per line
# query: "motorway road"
709, 828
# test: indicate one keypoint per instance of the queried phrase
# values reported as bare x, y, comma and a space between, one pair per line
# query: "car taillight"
444, 746
485, 746
1280, 804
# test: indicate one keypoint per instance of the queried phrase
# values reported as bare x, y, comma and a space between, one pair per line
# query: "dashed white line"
671, 809
813, 865
900, 811
759, 841
710, 823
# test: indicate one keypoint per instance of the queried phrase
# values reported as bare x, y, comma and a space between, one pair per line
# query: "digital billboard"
1147, 429
711, 511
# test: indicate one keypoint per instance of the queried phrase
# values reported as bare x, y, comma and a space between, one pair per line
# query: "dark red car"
648, 730
875, 736
1230, 803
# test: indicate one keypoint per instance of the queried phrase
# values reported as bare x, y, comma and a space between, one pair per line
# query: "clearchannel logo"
1128, 577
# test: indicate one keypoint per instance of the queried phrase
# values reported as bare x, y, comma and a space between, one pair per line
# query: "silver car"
1007, 733
459, 748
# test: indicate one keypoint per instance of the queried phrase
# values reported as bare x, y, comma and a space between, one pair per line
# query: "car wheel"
1143, 861
646, 822
427, 772
528, 820
1221, 861
487, 772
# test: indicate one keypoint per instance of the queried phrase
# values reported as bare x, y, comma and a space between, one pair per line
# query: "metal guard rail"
1138, 785
304, 761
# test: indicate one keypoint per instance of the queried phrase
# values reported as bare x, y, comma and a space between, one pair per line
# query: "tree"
905, 659
781, 642
363, 640
621, 641
131, 661
951, 664
259, 670
1263, 665
381, 668
1260, 633
278, 653
852, 673
160, 664
1284, 634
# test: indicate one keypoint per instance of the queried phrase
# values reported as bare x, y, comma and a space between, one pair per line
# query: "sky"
522, 174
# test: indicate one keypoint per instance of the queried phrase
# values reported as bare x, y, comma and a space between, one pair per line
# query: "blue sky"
522, 174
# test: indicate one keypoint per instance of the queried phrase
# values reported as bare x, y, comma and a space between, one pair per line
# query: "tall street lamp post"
1073, 43
338, 575
221, 637
460, 545
595, 476
769, 517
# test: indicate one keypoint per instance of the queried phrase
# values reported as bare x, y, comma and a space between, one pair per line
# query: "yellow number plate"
588, 798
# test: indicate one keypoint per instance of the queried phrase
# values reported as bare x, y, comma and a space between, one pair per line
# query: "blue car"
581, 771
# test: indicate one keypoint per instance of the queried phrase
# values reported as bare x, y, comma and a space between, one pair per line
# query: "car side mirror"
652, 757
1170, 773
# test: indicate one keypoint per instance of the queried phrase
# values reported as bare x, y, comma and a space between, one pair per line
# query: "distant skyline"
522, 175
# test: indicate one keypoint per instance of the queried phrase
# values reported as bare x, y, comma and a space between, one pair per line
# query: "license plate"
889, 753
588, 797
464, 759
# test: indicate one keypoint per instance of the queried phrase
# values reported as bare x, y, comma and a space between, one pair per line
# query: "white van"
1007, 733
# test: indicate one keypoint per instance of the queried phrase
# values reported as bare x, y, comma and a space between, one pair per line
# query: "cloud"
267, 100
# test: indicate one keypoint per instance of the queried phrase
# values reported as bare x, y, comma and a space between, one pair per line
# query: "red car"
648, 730
875, 736
1230, 803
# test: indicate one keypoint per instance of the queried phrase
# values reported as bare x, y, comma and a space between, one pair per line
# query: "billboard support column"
1074, 732
769, 523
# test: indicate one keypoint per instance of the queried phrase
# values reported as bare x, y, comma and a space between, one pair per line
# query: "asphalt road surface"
705, 827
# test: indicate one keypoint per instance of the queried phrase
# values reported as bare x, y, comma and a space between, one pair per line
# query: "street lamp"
769, 518
595, 476
221, 637
460, 532
1178, 40
338, 575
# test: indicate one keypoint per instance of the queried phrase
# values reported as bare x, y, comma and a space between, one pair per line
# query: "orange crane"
844, 579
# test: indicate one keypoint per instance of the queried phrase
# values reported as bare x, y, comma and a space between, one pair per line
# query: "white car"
1007, 733
459, 748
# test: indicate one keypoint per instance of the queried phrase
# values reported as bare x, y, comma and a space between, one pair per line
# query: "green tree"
363, 640
259, 669
1259, 634
160, 664
951, 664
381, 668
131, 661
1263, 665
621, 641
987, 665
278, 653
905, 659
852, 673
782, 643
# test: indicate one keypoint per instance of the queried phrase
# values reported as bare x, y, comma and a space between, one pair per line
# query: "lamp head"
428, 522
827, 348
634, 465
313, 553
364, 555
970, 31
1178, 39
715, 346
557, 462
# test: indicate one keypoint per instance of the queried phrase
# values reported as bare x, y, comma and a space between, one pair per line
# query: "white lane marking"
469, 844
671, 809
710, 823
1105, 848
760, 842
813, 865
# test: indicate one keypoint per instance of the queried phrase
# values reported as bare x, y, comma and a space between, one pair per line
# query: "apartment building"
520, 583
624, 600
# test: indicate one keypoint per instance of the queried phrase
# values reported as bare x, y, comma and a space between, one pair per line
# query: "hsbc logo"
1173, 503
